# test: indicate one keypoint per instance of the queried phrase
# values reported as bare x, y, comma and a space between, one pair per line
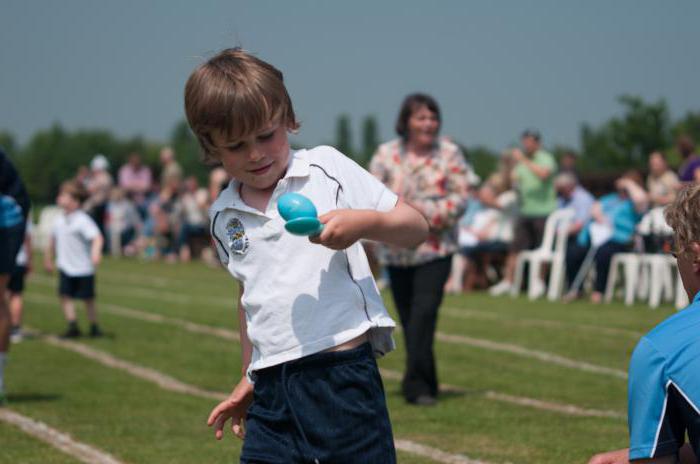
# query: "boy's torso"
300, 298
72, 244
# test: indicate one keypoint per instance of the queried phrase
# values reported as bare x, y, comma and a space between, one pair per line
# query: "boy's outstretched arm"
96, 250
49, 255
402, 226
235, 406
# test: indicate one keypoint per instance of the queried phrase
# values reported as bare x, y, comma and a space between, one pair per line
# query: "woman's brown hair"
412, 103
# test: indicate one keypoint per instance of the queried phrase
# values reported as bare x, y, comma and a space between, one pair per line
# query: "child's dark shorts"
79, 287
16, 283
323, 408
11, 239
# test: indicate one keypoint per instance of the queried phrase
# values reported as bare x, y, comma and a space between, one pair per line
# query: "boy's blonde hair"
75, 189
237, 94
683, 216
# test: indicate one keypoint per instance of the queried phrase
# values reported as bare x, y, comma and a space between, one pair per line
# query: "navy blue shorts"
79, 287
11, 240
323, 408
16, 283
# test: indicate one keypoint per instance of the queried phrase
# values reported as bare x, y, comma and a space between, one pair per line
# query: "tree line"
622, 142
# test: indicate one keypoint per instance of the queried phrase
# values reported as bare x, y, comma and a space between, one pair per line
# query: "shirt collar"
230, 197
697, 297
298, 165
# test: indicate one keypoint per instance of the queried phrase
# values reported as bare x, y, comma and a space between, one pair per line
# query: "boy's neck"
257, 198
67, 210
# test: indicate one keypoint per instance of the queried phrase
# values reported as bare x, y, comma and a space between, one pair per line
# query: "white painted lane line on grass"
569, 409
152, 317
563, 408
464, 313
543, 356
164, 296
80, 451
166, 382
452, 311
434, 453
146, 373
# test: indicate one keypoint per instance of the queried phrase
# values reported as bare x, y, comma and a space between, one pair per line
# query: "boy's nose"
255, 155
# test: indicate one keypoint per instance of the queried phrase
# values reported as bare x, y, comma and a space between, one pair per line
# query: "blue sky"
494, 66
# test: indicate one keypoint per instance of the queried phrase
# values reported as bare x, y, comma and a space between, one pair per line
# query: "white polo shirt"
73, 234
301, 298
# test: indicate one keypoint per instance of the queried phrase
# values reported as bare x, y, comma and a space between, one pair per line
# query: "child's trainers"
72, 332
16, 334
95, 331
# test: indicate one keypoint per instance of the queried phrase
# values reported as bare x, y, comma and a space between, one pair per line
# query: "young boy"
311, 318
77, 243
664, 373
14, 208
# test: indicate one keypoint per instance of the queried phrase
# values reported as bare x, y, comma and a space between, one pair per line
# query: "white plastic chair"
42, 232
630, 263
552, 250
646, 276
661, 269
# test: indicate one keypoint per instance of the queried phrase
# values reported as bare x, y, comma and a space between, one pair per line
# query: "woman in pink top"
430, 173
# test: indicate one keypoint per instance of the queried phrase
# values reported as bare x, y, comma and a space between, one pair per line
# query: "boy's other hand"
96, 259
612, 457
234, 407
343, 227
48, 266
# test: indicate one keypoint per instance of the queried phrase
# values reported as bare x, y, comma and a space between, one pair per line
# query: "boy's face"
66, 201
257, 161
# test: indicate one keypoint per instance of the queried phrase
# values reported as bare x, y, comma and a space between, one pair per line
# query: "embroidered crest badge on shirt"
237, 239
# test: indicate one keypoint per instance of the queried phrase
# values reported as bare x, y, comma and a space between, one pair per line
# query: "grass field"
526, 382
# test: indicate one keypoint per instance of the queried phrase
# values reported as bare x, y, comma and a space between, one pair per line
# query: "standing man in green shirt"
533, 177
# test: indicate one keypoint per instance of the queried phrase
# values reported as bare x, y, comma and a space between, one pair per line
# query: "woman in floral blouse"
430, 173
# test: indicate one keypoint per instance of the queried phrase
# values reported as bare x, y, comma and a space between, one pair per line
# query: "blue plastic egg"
294, 205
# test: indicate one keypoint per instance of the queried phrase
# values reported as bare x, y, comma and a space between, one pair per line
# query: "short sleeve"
89, 231
651, 421
360, 189
216, 237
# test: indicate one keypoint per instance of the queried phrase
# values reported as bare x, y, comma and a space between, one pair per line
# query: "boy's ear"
695, 252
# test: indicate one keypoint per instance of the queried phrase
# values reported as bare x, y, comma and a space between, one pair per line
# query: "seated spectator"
171, 172
136, 180
662, 185
166, 224
689, 171
611, 230
572, 195
502, 179
488, 235
194, 217
123, 224
664, 373
454, 282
